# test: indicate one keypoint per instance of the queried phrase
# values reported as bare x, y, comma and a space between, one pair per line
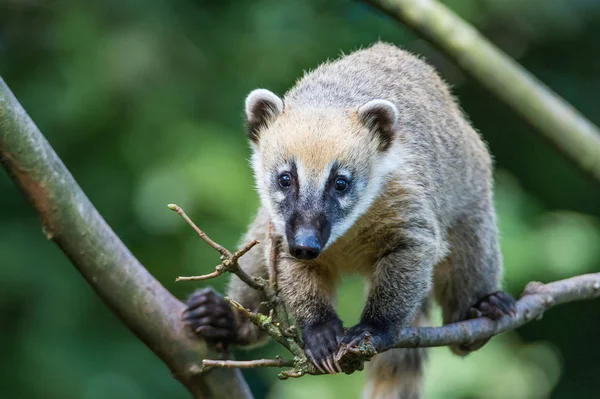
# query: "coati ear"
381, 117
262, 106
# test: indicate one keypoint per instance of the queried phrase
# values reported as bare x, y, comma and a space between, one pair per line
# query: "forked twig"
224, 252
229, 261
276, 323
273, 258
218, 271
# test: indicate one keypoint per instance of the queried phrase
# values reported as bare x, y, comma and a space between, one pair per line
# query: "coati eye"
341, 184
285, 180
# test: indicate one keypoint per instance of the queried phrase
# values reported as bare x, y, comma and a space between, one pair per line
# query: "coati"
369, 166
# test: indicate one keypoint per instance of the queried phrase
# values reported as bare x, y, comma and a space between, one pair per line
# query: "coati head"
318, 170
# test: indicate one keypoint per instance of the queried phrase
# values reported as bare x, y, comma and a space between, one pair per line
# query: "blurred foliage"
143, 99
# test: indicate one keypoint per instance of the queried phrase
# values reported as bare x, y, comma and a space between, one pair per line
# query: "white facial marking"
278, 197
264, 189
391, 161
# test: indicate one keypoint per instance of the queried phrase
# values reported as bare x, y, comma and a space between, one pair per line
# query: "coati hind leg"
398, 373
467, 283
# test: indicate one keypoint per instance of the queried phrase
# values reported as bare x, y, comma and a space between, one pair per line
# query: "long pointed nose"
305, 245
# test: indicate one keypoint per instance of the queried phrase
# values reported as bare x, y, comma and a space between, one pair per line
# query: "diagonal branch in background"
535, 300
72, 222
566, 129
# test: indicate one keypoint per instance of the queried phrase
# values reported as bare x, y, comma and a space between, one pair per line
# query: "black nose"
305, 247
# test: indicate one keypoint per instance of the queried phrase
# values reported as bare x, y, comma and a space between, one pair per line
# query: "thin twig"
277, 323
230, 264
273, 258
248, 364
222, 250
218, 271
229, 261
279, 307
242, 252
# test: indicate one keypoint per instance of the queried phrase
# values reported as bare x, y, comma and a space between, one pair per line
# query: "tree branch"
72, 222
566, 129
248, 364
536, 299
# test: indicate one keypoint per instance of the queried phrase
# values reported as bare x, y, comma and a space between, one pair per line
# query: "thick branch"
535, 300
72, 222
570, 132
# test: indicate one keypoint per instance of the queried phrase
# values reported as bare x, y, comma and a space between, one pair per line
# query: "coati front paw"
379, 337
210, 316
493, 306
359, 344
321, 344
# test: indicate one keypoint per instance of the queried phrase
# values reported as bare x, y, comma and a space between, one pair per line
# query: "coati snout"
307, 235
305, 245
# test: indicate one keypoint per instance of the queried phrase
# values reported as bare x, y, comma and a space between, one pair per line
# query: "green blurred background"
143, 102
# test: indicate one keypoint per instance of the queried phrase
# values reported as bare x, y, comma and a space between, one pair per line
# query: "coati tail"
396, 374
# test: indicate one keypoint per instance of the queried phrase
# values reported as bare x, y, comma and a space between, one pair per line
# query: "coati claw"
321, 344
329, 363
359, 345
314, 361
366, 334
210, 316
346, 348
